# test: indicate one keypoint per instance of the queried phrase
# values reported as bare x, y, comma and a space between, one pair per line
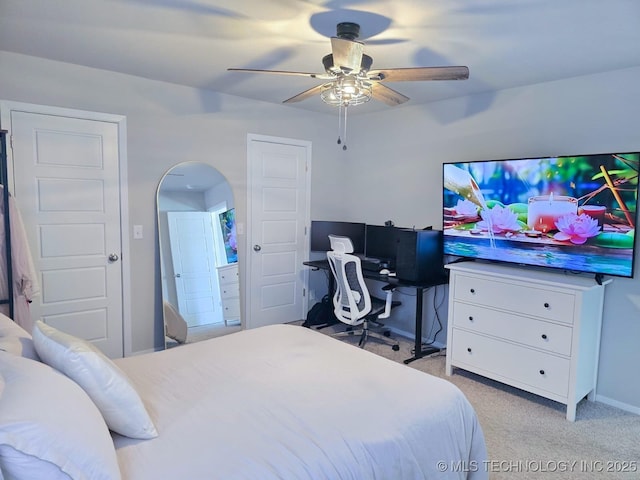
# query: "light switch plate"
137, 232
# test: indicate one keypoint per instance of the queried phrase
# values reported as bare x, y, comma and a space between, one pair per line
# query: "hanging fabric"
25, 284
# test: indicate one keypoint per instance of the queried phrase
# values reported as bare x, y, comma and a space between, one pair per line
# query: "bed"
276, 402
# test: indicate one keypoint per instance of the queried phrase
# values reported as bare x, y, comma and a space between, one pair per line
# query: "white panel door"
66, 173
194, 267
279, 209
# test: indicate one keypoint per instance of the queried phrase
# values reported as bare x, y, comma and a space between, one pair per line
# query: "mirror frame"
195, 187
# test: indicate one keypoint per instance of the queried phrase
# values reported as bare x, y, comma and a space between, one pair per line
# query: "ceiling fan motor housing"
348, 30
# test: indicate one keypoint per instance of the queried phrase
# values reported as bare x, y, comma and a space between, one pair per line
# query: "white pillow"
15, 339
49, 427
107, 385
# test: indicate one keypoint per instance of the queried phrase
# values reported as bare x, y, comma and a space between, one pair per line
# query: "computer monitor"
420, 256
320, 231
382, 243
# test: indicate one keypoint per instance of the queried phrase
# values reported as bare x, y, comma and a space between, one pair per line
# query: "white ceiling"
505, 43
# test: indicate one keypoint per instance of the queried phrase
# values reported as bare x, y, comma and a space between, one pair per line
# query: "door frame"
7, 106
246, 270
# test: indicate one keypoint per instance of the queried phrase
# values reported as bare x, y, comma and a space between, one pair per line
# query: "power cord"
436, 313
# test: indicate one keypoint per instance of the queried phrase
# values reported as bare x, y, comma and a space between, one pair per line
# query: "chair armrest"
388, 301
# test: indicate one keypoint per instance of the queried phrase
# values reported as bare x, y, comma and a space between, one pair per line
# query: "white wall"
218, 194
392, 169
166, 125
398, 155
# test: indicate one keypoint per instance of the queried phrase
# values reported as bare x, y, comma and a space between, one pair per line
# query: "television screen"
573, 213
320, 231
228, 227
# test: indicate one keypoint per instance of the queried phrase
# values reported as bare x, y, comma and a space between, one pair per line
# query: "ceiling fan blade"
347, 54
419, 74
322, 76
387, 95
304, 95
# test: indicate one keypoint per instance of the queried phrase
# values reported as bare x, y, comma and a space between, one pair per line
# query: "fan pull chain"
344, 136
339, 122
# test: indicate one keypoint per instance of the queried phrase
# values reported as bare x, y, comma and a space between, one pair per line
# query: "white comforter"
286, 402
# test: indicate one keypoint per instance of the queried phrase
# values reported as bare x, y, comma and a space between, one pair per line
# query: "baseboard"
615, 403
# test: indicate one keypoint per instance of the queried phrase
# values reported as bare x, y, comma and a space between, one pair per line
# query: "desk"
420, 288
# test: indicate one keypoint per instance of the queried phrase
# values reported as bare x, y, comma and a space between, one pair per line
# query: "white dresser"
230, 292
535, 330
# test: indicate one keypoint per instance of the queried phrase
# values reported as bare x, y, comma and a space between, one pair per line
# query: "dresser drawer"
231, 309
535, 301
228, 274
229, 290
512, 362
517, 328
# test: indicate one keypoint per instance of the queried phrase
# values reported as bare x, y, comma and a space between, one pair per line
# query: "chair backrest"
351, 300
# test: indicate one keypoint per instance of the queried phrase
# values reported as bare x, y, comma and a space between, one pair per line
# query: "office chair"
352, 303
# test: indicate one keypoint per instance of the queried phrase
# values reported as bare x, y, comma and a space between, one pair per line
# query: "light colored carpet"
528, 437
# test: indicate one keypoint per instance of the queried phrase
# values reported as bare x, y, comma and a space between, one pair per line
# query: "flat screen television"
321, 229
573, 213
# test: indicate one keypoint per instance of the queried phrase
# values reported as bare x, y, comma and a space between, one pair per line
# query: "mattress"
287, 402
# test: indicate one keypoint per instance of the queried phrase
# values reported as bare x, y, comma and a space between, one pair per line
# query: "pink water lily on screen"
465, 207
576, 228
499, 220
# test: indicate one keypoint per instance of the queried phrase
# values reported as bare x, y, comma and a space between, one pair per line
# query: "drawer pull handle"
544, 336
470, 318
469, 349
541, 372
546, 305
472, 290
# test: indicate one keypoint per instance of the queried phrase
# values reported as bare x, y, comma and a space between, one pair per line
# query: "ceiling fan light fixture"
350, 80
346, 91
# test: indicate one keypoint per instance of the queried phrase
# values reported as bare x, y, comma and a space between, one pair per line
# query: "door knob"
113, 257
257, 248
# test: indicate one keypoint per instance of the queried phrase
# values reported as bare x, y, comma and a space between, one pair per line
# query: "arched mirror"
198, 254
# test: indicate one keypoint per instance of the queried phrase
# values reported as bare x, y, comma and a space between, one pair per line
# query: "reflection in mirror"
198, 254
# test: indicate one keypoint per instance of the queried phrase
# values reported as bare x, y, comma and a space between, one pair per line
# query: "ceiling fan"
349, 79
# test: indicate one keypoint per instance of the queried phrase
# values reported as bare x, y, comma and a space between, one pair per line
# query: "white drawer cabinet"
534, 330
547, 303
230, 292
529, 331
507, 361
